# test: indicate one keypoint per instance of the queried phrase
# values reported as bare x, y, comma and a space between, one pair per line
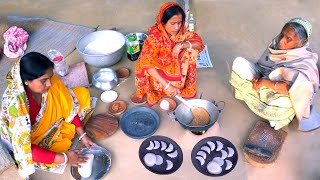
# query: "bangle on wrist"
190, 45
65, 158
167, 86
82, 136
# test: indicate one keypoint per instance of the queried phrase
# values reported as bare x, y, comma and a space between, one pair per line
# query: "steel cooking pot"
185, 118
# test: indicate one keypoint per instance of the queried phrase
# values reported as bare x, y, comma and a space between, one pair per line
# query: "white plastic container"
61, 67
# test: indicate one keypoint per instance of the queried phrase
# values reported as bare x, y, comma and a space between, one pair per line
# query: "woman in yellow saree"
167, 63
40, 116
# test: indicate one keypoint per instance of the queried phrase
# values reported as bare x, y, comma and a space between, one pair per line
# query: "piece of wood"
101, 126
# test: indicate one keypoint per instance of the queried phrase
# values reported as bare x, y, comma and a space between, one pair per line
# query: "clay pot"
172, 104
122, 73
117, 107
137, 101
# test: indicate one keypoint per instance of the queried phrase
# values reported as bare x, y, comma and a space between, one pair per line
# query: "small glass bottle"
191, 23
61, 67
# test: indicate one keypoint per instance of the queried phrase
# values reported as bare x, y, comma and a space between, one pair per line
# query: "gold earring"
26, 83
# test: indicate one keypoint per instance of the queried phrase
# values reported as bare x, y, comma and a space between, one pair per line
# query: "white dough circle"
230, 152
200, 159
224, 154
159, 160
170, 148
229, 164
206, 148
169, 165
202, 153
214, 168
219, 145
151, 145
109, 96
174, 154
165, 105
156, 145
150, 159
212, 145
218, 160
163, 145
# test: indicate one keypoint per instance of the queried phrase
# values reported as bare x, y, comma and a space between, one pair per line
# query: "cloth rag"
15, 42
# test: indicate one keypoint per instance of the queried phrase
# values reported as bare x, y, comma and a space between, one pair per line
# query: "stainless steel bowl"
108, 38
105, 79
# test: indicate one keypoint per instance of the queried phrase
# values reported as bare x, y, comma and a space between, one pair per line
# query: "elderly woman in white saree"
282, 84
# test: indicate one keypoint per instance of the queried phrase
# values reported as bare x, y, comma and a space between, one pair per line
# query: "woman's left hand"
176, 50
87, 141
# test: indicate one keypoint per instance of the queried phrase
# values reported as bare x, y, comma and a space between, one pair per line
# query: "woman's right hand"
75, 159
176, 50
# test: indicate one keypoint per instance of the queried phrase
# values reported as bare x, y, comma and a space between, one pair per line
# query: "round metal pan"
139, 122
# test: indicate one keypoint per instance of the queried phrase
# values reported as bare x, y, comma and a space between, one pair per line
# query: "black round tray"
139, 122
213, 154
161, 169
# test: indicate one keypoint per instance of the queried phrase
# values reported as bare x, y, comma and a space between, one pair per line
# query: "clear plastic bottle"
61, 67
191, 23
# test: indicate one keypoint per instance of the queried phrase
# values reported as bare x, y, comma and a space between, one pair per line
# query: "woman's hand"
256, 84
176, 50
75, 159
280, 87
87, 141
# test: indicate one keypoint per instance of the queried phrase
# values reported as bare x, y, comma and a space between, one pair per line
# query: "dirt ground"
230, 28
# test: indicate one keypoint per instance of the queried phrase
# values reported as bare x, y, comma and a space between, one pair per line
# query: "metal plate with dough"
201, 163
101, 163
169, 151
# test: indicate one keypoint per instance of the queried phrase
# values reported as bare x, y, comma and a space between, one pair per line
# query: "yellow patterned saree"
52, 129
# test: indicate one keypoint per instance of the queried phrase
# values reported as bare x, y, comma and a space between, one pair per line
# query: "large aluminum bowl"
105, 79
109, 44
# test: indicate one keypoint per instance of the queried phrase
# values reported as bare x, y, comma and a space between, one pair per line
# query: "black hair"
34, 65
172, 11
299, 30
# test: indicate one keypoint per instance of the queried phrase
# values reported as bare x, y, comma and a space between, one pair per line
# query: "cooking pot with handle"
185, 118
